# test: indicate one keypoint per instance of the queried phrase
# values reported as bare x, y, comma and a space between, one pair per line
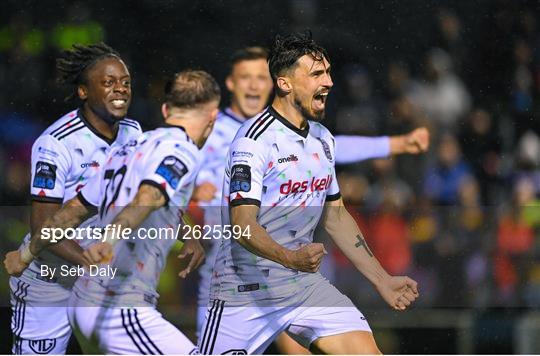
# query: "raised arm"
351, 149
398, 292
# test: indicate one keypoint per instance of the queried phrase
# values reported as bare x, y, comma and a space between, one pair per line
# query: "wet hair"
73, 65
287, 50
247, 54
190, 88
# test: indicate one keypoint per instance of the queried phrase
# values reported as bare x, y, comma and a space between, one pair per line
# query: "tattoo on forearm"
362, 243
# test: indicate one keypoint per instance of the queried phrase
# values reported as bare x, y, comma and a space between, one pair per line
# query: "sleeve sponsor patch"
47, 151
45, 176
172, 170
240, 178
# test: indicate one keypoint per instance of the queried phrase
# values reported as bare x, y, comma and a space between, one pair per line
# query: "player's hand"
192, 249
417, 141
307, 258
98, 253
399, 292
14, 264
204, 192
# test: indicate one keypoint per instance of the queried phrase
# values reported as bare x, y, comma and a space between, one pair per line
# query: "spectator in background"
399, 82
442, 180
481, 147
515, 239
405, 116
423, 230
521, 96
442, 96
460, 235
527, 160
388, 230
450, 38
360, 112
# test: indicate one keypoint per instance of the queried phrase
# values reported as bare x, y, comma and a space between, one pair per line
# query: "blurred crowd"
462, 219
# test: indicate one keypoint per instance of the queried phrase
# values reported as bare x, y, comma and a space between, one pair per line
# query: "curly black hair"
286, 51
72, 65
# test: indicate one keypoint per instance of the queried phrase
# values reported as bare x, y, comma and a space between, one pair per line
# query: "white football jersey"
215, 152
68, 153
289, 173
167, 159
64, 158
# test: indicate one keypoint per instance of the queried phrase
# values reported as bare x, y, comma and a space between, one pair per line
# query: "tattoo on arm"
362, 243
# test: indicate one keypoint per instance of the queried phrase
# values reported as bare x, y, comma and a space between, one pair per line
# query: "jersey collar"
166, 125
229, 113
302, 132
94, 130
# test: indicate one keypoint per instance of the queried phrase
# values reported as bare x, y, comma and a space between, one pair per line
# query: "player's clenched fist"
307, 258
98, 253
399, 292
417, 141
14, 264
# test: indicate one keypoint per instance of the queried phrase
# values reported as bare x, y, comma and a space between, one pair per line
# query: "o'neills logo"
291, 158
314, 185
91, 164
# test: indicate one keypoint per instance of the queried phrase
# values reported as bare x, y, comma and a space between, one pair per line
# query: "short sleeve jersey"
215, 153
68, 153
289, 173
65, 157
167, 159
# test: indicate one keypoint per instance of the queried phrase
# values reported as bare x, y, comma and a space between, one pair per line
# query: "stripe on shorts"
214, 319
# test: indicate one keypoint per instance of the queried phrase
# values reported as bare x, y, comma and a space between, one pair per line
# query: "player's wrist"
26, 254
287, 258
398, 144
379, 278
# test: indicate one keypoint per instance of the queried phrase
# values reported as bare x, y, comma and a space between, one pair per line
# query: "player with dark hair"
279, 178
143, 185
66, 155
250, 85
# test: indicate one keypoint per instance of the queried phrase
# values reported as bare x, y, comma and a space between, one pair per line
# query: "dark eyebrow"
122, 77
321, 71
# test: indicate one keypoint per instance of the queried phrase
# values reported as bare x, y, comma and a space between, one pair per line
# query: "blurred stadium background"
463, 220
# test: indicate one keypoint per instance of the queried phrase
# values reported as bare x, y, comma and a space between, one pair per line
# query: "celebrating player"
66, 155
279, 178
144, 184
250, 84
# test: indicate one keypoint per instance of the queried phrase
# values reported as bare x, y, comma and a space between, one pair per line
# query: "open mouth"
319, 100
253, 100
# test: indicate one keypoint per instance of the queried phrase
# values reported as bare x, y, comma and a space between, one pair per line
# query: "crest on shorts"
235, 352
43, 346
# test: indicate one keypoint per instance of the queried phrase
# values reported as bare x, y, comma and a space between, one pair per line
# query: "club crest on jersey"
172, 169
240, 178
326, 149
45, 176
42, 346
